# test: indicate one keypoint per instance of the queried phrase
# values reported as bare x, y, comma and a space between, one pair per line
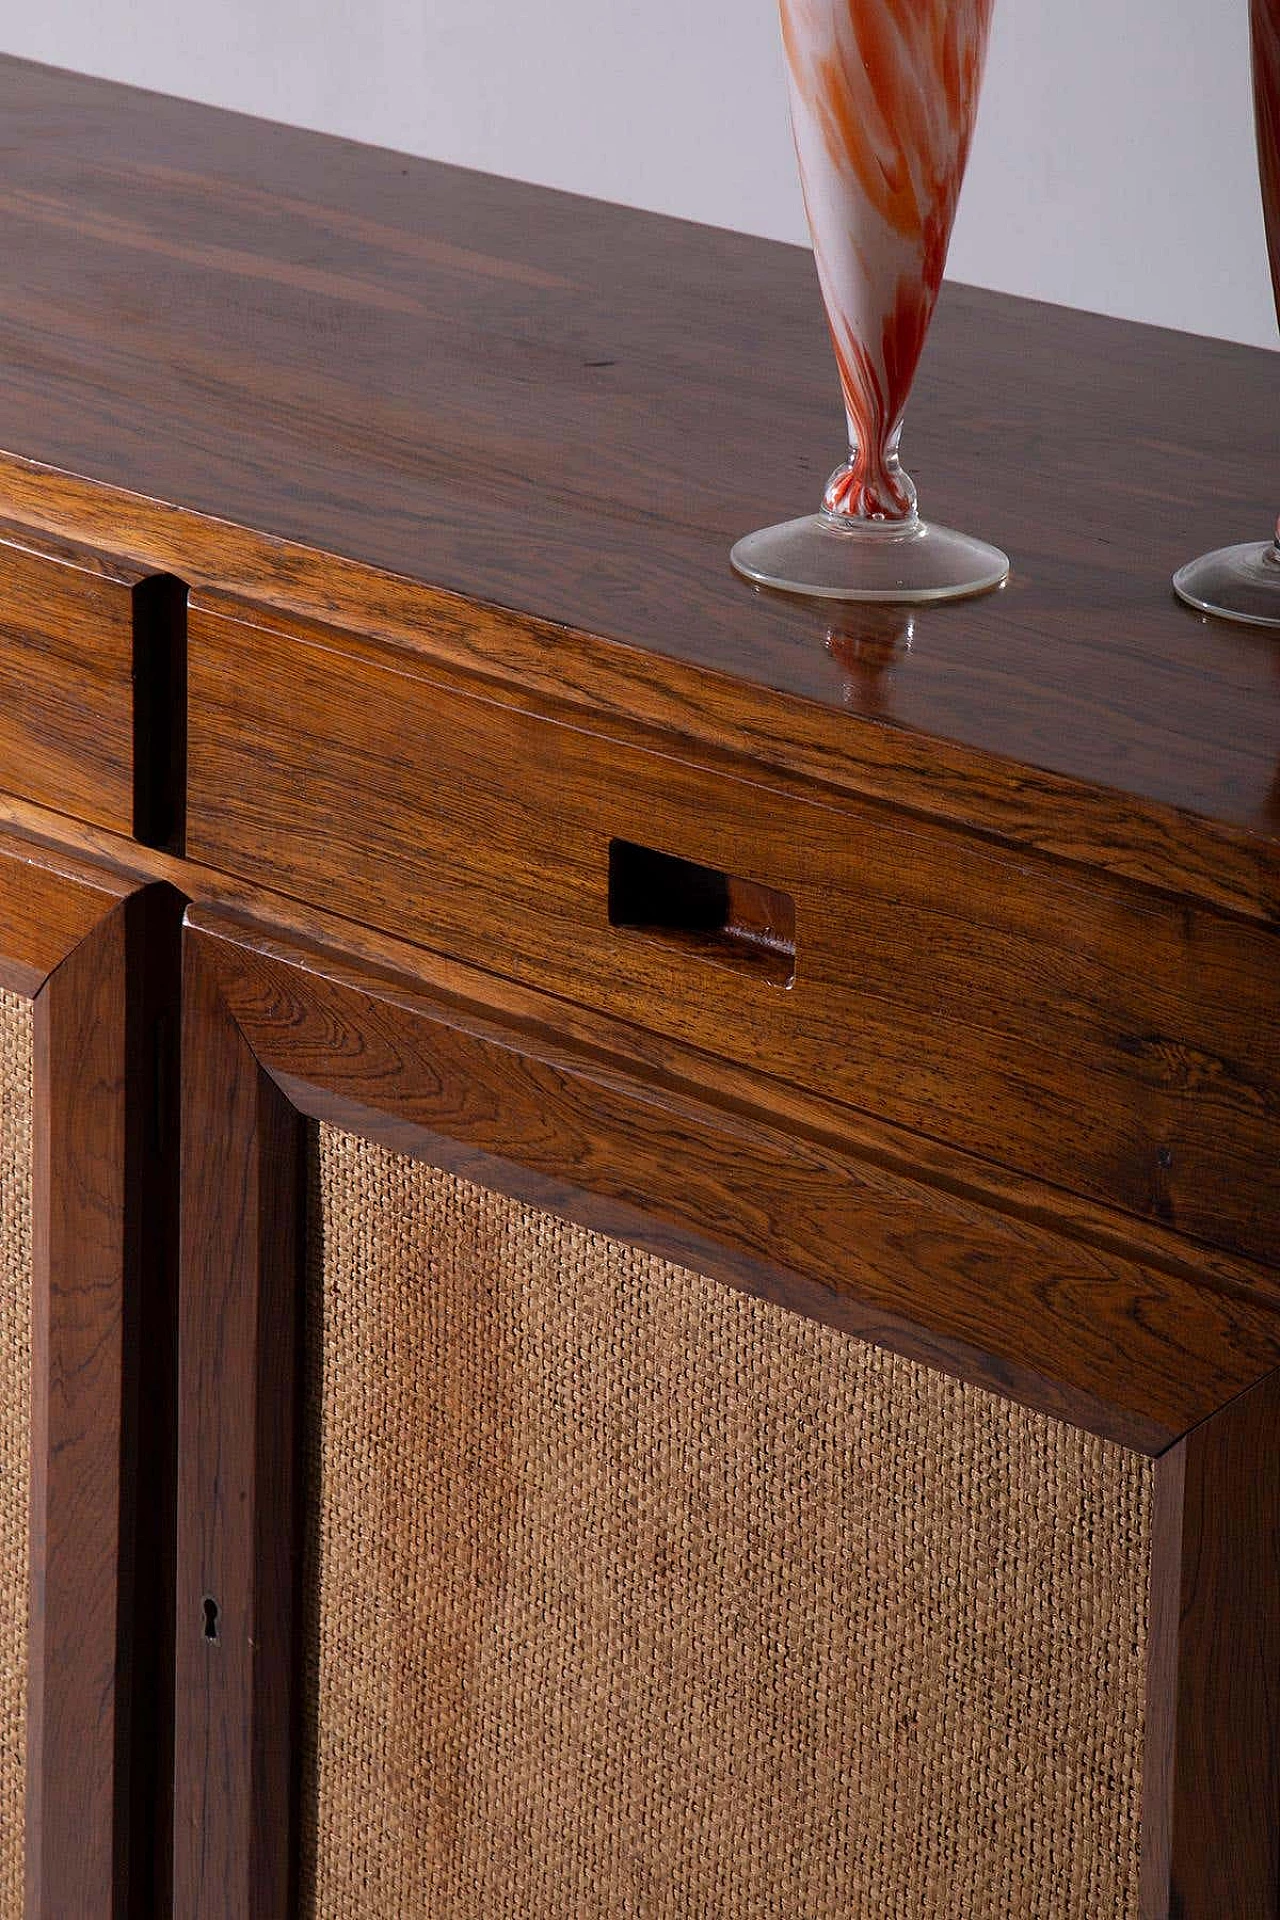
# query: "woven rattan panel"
16, 1110
633, 1596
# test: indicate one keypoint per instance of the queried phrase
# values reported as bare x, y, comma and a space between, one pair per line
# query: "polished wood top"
547, 403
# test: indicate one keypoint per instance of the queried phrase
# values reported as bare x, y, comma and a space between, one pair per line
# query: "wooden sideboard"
618, 1194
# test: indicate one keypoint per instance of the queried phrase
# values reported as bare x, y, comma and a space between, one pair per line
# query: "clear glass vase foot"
832, 559
1236, 583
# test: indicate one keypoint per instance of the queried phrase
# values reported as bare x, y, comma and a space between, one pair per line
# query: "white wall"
1113, 166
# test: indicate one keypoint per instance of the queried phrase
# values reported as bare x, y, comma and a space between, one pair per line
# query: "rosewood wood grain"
245, 357
237, 1567
585, 1135
90, 684
1098, 1036
1211, 1813
51, 900
1111, 1344
651, 389
395, 963
102, 1318
77, 1832
1151, 841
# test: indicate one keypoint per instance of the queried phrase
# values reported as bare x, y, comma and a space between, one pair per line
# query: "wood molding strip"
425, 1076
1211, 1790
1092, 1337
236, 1501
344, 948
103, 1314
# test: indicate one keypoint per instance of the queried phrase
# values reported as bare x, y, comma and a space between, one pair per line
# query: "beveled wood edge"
685, 1247
1185, 1702
238, 1510
332, 943
407, 976
75, 555
97, 1686
67, 1870
1148, 842
1172, 1350
1211, 1762
34, 946
95, 871
335, 946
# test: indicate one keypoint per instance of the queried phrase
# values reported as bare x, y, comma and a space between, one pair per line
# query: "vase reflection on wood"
883, 98
1243, 583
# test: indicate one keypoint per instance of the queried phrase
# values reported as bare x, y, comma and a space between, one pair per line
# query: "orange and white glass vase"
1243, 583
883, 99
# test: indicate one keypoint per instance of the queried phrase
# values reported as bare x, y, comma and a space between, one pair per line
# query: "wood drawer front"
89, 649
1056, 1022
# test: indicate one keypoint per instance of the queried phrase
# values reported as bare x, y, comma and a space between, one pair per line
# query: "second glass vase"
883, 99
1243, 582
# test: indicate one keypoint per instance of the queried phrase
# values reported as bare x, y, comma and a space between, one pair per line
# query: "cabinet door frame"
503, 1086
95, 952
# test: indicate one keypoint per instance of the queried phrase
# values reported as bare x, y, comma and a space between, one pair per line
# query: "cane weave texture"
16, 1206
633, 1596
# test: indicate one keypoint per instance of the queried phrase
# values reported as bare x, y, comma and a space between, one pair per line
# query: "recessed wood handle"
714, 915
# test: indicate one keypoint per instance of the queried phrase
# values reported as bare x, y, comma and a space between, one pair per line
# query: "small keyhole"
210, 1619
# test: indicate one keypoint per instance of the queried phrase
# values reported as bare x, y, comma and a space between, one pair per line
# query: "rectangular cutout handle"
712, 915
